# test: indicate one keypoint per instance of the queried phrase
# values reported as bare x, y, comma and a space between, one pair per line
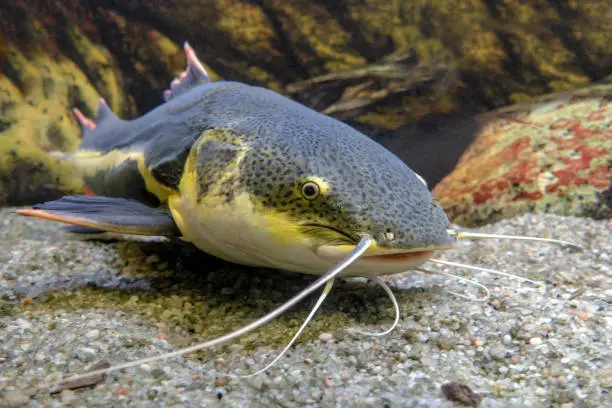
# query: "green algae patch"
187, 317
190, 305
36, 115
8, 309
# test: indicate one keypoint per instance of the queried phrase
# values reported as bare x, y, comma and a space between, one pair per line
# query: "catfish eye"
310, 190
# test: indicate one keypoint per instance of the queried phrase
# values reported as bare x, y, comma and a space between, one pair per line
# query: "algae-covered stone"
47, 69
551, 156
34, 97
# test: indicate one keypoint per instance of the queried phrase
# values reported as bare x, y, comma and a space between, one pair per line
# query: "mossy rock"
549, 156
47, 70
36, 95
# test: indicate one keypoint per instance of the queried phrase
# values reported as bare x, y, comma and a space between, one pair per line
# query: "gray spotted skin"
216, 155
371, 190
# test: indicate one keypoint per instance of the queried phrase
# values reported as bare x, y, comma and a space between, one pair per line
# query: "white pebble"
68, 396
326, 337
23, 324
93, 334
535, 341
86, 353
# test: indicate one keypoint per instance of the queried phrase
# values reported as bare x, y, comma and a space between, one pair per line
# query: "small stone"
159, 373
152, 259
86, 381
605, 377
462, 393
236, 348
220, 382
86, 354
498, 352
175, 302
583, 315
68, 397
478, 342
151, 394
93, 334
9, 276
15, 398
257, 383
446, 343
535, 341
507, 339
326, 337
23, 324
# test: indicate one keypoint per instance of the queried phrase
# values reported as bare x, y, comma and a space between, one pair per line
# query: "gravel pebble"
93, 334
15, 398
527, 346
535, 341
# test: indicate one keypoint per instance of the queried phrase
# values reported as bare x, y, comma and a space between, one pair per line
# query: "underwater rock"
553, 155
52, 60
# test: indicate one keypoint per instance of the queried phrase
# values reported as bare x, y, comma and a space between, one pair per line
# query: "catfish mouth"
377, 255
335, 244
400, 257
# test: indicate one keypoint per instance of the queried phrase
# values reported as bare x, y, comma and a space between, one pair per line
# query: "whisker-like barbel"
381, 282
360, 248
486, 297
492, 271
465, 235
326, 290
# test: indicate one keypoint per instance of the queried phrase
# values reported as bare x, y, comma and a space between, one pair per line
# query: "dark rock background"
414, 75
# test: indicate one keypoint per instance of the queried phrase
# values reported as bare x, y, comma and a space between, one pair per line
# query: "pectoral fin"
77, 229
111, 214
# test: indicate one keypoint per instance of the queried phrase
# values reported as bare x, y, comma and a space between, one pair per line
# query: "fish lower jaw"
379, 263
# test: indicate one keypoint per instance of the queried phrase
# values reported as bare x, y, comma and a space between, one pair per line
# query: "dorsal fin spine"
194, 66
195, 74
104, 112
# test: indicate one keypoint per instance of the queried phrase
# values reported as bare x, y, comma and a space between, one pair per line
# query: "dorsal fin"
104, 116
194, 75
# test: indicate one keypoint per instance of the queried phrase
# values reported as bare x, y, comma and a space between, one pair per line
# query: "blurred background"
502, 105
